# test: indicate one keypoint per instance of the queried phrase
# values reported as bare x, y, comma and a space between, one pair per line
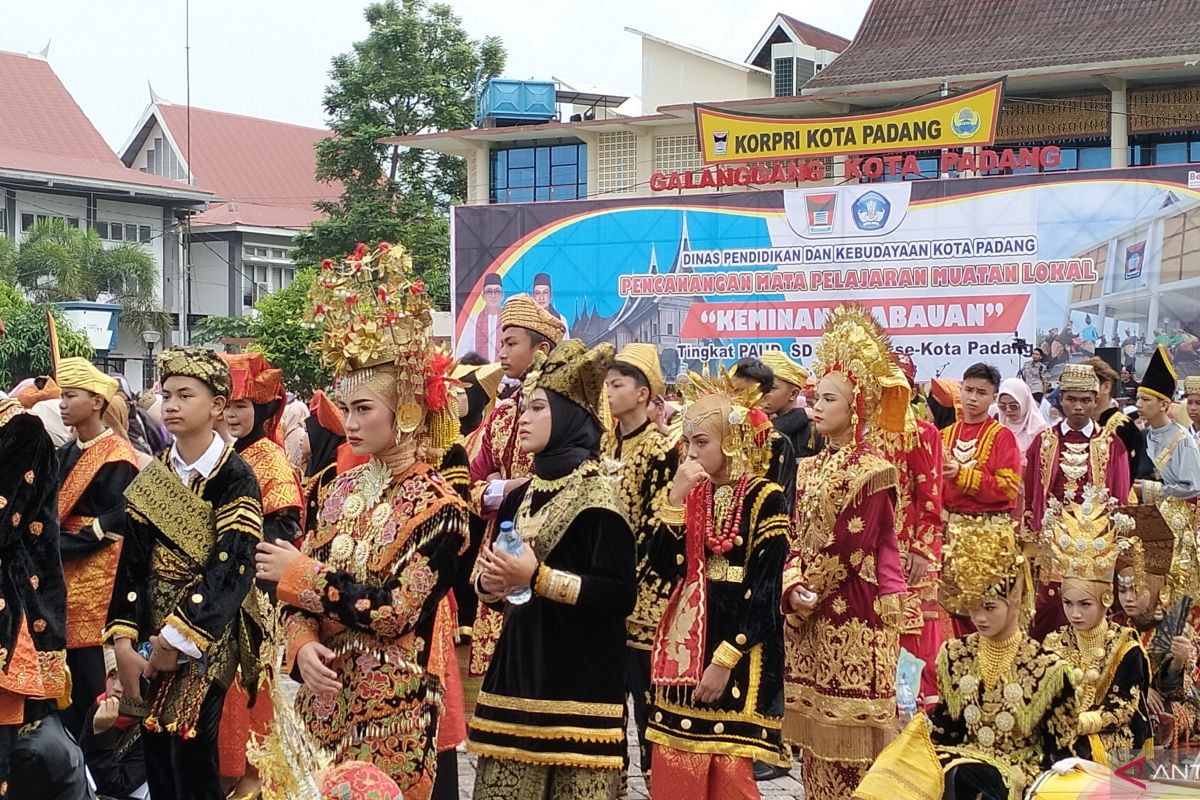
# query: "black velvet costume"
743, 610
188, 562
799, 430
559, 663
32, 592
322, 466
1140, 465
987, 737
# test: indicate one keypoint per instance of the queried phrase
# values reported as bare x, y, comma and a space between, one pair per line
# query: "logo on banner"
821, 209
720, 142
1134, 256
871, 211
965, 123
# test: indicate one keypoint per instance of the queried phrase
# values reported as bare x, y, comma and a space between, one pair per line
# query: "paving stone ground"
786, 788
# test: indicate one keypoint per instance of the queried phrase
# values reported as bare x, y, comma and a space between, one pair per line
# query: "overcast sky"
270, 58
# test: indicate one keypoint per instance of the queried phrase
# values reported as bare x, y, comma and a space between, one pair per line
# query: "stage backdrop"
956, 269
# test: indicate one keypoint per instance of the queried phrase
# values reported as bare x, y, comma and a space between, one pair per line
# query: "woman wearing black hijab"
549, 719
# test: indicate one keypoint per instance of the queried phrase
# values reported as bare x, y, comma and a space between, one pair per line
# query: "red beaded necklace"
722, 541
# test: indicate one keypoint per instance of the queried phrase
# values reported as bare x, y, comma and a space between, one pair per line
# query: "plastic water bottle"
905, 700
511, 543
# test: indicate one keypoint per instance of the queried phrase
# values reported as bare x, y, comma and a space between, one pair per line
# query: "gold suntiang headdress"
723, 408
982, 560
576, 373
856, 347
375, 319
1087, 538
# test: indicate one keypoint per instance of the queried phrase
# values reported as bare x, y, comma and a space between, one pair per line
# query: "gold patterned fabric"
520, 311
575, 372
1078, 378
277, 480
784, 368
503, 779
644, 358
1016, 723
196, 362
79, 373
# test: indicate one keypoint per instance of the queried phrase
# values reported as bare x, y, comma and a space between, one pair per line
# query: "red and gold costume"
1060, 465
33, 638
283, 512
498, 457
388, 537
841, 655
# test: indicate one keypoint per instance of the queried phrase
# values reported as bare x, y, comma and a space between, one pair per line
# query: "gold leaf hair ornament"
856, 347
728, 411
1087, 538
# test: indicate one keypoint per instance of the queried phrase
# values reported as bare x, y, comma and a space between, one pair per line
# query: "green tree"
25, 345
417, 71
58, 262
279, 332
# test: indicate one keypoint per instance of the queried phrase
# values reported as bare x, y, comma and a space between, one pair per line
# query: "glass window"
102, 229
1171, 153
520, 178
520, 195
543, 166
563, 192
116, 231
1095, 158
1138, 156
500, 169
583, 164
500, 196
564, 154
26, 221
276, 278
565, 174
1194, 150
143, 233
542, 193
520, 158
1069, 159
784, 69
131, 233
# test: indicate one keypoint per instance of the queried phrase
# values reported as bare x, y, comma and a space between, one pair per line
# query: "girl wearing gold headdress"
1007, 709
717, 659
385, 548
549, 718
1111, 670
843, 582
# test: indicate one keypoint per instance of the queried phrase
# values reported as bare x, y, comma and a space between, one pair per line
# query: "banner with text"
963, 120
957, 271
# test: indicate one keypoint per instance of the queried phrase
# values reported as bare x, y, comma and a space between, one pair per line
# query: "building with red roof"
55, 164
261, 175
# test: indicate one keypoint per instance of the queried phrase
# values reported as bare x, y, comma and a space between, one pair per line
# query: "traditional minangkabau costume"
917, 454
1148, 572
723, 611
497, 458
1111, 670
646, 463
549, 719
389, 533
92, 479
1006, 709
33, 635
987, 485
841, 656
1061, 464
794, 423
186, 568
1175, 487
283, 514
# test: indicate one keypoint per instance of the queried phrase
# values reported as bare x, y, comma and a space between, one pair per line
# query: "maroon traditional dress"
841, 657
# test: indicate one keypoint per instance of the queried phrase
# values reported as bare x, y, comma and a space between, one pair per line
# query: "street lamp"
151, 338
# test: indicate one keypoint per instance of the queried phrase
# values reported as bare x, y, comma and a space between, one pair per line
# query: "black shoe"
767, 772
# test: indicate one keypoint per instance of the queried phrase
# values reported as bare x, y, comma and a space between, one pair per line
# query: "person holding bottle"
549, 719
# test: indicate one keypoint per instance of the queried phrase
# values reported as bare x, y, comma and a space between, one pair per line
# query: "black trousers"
445, 783
87, 683
637, 686
46, 763
186, 769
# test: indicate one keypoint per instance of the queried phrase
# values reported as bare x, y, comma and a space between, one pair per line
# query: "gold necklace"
996, 657
543, 485
363, 520
1090, 653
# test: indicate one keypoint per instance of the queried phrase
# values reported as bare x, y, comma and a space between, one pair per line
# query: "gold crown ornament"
374, 318
728, 410
854, 346
1086, 539
982, 559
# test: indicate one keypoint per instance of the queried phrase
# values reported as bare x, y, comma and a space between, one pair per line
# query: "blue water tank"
509, 102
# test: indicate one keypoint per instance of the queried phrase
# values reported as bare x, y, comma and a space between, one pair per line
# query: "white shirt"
1086, 430
203, 467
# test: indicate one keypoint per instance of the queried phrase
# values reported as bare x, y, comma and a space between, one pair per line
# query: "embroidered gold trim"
549, 759
615, 710
726, 655
569, 732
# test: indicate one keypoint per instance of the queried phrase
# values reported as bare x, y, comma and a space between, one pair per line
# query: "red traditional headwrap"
255, 380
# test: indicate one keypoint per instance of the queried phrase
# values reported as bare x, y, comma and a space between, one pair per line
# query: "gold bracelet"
541, 580
671, 515
726, 655
1090, 722
559, 586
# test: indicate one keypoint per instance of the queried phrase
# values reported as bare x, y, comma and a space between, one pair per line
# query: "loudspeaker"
1111, 356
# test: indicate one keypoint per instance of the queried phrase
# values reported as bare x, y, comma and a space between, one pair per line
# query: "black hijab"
574, 438
477, 400
323, 446
263, 412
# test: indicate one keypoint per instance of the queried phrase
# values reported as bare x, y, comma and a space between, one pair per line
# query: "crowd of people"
732, 575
